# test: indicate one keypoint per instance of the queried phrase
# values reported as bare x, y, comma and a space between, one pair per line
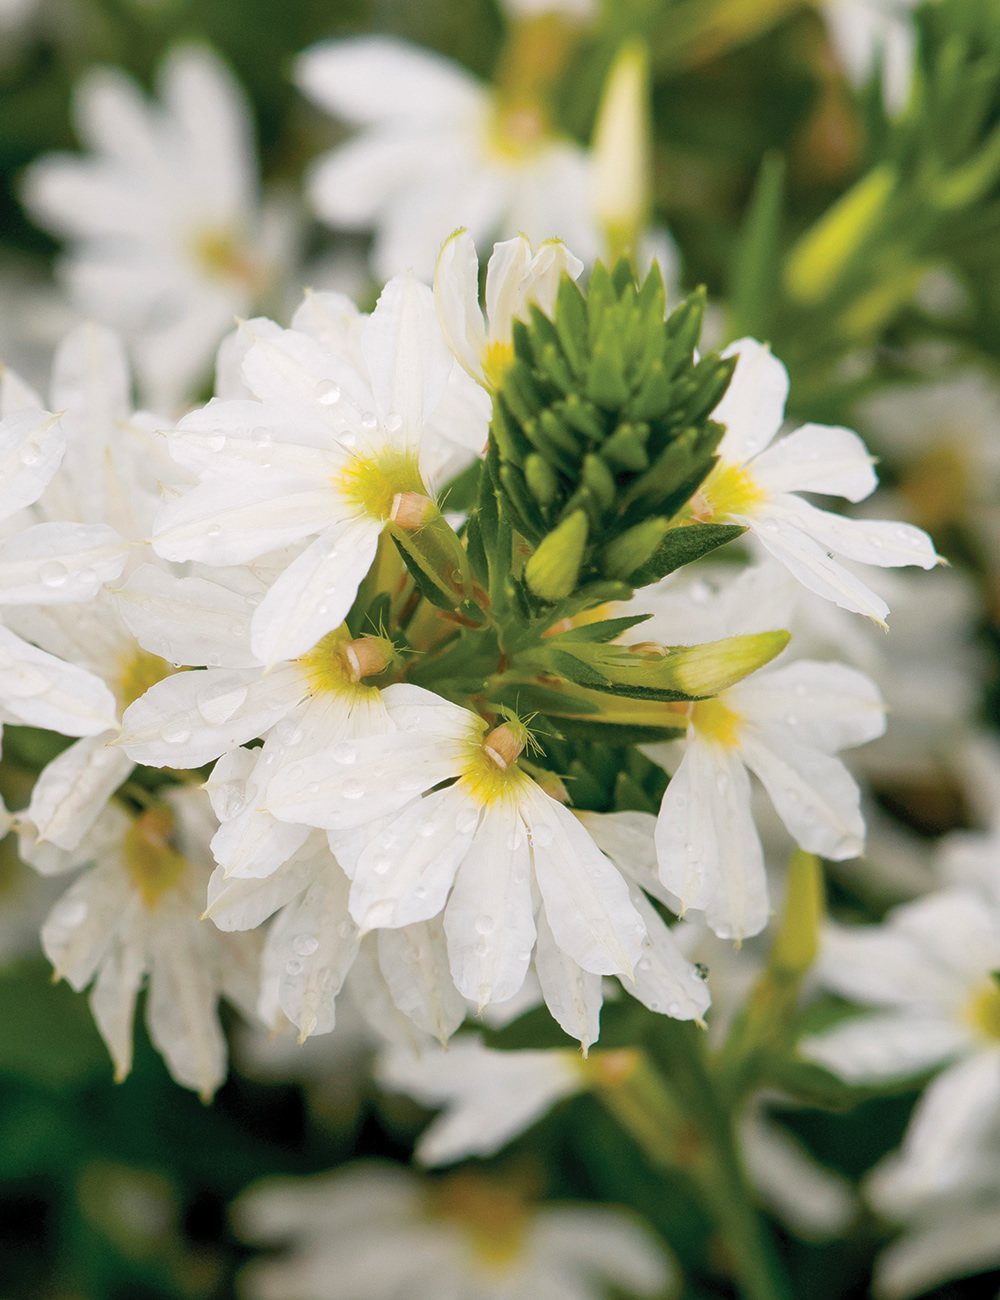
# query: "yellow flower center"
491, 1213
491, 770
983, 1010
138, 672
151, 859
713, 720
337, 665
221, 255
498, 358
727, 491
371, 483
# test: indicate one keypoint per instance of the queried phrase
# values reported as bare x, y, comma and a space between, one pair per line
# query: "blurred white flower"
930, 969
756, 483
132, 918
168, 236
438, 149
377, 1232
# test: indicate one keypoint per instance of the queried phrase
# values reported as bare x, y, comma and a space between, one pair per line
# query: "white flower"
864, 31
516, 278
783, 723
487, 1098
132, 919
163, 216
438, 149
375, 1232
477, 848
952, 1236
338, 438
756, 482
930, 972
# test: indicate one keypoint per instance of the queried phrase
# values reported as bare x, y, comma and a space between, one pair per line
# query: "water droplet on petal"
541, 836
216, 441
218, 703
352, 789
30, 454
327, 392
305, 944
176, 731
369, 421
53, 574
483, 924
213, 530
260, 436
466, 820
393, 422
294, 966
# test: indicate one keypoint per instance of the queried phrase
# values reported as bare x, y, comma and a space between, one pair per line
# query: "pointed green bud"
817, 261
632, 549
552, 571
541, 479
713, 667
797, 942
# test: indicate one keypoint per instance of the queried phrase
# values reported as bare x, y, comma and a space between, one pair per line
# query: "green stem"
668, 1103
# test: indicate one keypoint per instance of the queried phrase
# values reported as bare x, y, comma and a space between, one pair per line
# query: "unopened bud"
797, 943
503, 746
816, 262
411, 510
622, 150
707, 669
552, 571
367, 656
633, 548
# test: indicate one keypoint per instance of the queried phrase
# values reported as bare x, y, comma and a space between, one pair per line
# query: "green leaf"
683, 546
754, 278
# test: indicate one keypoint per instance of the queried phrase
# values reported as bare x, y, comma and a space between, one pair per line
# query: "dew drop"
345, 929
482, 948
352, 789
260, 436
327, 392
381, 864
369, 421
349, 439
294, 966
214, 660
305, 944
484, 924
216, 441
393, 422
541, 836
176, 732
53, 574
426, 829
218, 704
30, 454
214, 530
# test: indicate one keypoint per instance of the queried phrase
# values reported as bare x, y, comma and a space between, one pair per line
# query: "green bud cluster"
602, 432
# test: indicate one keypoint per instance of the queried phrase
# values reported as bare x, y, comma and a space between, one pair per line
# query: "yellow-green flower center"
490, 770
727, 491
371, 483
713, 720
220, 254
492, 1214
153, 863
983, 1010
338, 664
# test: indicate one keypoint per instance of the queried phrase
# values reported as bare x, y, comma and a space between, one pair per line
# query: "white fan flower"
340, 439
930, 973
167, 236
866, 31
756, 482
784, 723
516, 278
477, 848
132, 918
375, 1232
439, 149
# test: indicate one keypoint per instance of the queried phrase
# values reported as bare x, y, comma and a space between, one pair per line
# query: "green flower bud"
710, 668
553, 570
631, 550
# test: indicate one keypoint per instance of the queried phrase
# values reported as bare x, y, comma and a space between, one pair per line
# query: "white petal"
628, 839
181, 1007
192, 717
870, 541
186, 620
872, 1049
245, 904
586, 901
316, 591
314, 942
812, 565
406, 357
414, 961
814, 1201
371, 79
254, 844
72, 790
456, 296
817, 458
814, 794
963, 1241
32, 444
665, 981
112, 1000
505, 276
59, 563
753, 406
81, 926
573, 995
304, 381
494, 1095
41, 691
223, 521
827, 705
405, 873
604, 1242
331, 318
489, 921
239, 436
351, 186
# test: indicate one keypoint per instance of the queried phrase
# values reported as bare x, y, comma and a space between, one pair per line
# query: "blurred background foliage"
121, 1192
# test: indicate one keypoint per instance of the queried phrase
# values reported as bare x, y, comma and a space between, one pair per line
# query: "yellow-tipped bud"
552, 571
712, 667
622, 150
817, 261
797, 943
412, 510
